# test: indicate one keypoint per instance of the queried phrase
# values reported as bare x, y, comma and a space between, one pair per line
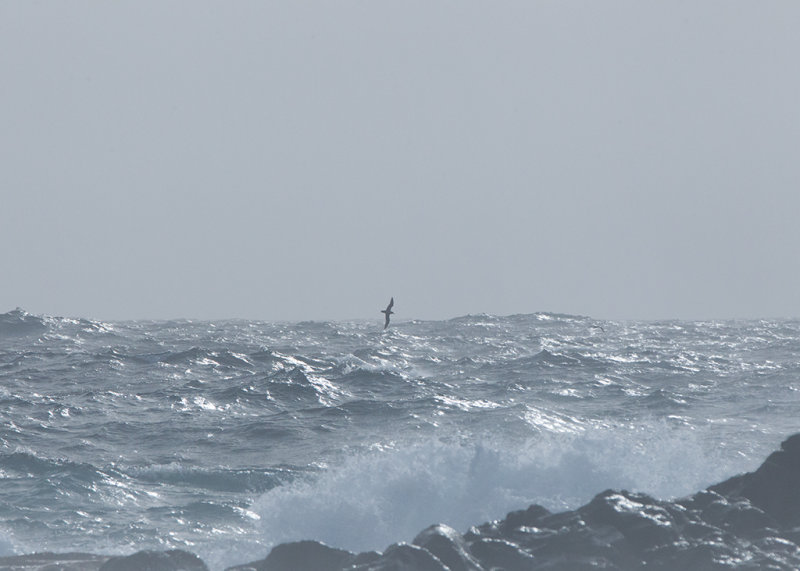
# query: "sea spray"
373, 498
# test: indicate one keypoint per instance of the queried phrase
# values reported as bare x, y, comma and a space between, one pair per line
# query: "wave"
376, 497
27, 464
19, 323
207, 357
217, 479
541, 316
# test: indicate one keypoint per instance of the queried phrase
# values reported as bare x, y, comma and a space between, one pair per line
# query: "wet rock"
774, 487
299, 556
404, 557
365, 558
53, 561
498, 553
448, 546
530, 517
641, 520
173, 560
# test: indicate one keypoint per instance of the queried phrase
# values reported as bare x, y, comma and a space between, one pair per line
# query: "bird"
388, 311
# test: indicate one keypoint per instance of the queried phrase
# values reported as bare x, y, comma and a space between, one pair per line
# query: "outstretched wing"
391, 303
385, 325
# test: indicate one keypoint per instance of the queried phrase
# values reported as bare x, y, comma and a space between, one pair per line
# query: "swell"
177, 424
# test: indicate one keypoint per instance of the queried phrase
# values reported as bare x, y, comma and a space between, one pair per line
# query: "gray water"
225, 438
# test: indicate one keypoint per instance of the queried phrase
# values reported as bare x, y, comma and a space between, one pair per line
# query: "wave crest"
18, 323
389, 493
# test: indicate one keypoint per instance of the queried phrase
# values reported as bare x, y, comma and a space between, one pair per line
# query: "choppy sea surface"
226, 438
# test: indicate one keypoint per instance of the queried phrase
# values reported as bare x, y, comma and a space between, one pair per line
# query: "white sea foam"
376, 498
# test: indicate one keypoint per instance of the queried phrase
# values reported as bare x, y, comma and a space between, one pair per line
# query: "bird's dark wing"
385, 325
391, 303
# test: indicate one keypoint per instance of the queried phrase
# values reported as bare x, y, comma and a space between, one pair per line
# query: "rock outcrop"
172, 560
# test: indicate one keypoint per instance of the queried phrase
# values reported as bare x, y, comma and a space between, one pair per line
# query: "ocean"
227, 438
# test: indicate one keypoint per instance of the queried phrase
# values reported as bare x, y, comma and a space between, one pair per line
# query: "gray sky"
308, 160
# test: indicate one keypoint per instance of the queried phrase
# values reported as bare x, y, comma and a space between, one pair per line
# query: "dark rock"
779, 545
774, 487
404, 557
299, 556
447, 544
530, 517
53, 562
365, 558
173, 560
639, 518
700, 557
498, 553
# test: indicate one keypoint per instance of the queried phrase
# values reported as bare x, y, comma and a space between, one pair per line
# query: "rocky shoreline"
748, 522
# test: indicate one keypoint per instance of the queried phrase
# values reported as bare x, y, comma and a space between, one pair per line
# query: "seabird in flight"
388, 311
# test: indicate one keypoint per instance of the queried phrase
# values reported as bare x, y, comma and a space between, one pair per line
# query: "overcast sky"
308, 160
